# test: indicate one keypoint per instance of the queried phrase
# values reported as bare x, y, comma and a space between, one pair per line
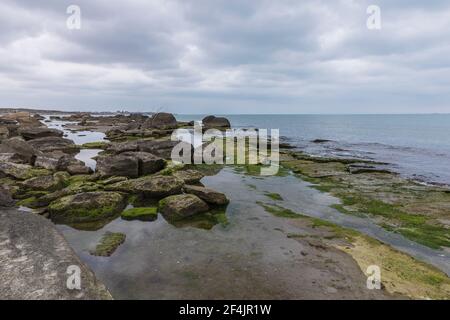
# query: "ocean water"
416, 146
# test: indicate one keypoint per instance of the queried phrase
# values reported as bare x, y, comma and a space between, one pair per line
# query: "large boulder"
212, 122
189, 176
126, 146
118, 165
182, 206
206, 194
6, 199
56, 160
86, 207
51, 144
20, 171
163, 148
148, 163
50, 183
161, 120
30, 133
23, 152
150, 186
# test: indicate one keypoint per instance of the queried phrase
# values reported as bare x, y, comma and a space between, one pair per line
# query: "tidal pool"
247, 258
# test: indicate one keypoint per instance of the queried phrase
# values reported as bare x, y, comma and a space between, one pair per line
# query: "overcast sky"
230, 56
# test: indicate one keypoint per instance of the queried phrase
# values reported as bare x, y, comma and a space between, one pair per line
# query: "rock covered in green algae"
108, 244
150, 186
143, 214
182, 206
53, 182
21, 171
86, 207
206, 194
96, 145
189, 176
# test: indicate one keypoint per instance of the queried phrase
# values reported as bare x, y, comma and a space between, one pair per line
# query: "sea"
416, 146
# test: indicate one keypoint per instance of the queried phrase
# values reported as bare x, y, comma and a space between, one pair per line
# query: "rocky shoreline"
135, 178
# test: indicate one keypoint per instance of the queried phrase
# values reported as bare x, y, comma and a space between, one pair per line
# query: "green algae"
108, 244
143, 214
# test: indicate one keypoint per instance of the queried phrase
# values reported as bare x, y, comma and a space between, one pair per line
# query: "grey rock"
35, 259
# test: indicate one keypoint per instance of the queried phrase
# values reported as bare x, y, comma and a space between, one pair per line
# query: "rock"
57, 160
24, 119
182, 206
30, 133
78, 169
120, 147
206, 194
6, 199
160, 148
161, 120
96, 145
148, 163
143, 214
211, 122
320, 141
118, 165
189, 176
47, 183
149, 186
362, 168
4, 133
108, 244
35, 259
22, 150
86, 207
20, 171
51, 144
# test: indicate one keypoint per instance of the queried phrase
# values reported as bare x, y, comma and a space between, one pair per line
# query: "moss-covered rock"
207, 195
96, 145
47, 183
150, 186
189, 176
21, 171
143, 214
108, 244
86, 207
181, 206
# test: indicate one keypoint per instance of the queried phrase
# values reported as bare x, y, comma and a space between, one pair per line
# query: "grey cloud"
226, 56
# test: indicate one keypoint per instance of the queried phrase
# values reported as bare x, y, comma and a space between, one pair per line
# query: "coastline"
332, 176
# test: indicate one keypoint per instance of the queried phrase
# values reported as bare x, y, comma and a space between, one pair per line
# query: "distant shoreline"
48, 111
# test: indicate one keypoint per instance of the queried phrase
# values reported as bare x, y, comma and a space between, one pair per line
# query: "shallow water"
79, 138
160, 261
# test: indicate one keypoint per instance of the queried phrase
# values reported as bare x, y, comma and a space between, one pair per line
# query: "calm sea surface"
417, 146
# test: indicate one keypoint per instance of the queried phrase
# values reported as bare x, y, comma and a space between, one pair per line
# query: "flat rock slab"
34, 258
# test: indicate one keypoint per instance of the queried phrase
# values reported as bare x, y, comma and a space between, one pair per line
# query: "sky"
226, 56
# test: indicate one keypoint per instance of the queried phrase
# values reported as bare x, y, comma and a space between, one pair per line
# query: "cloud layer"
230, 56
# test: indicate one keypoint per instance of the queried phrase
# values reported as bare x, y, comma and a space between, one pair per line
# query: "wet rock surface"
35, 258
206, 194
86, 207
150, 186
181, 206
